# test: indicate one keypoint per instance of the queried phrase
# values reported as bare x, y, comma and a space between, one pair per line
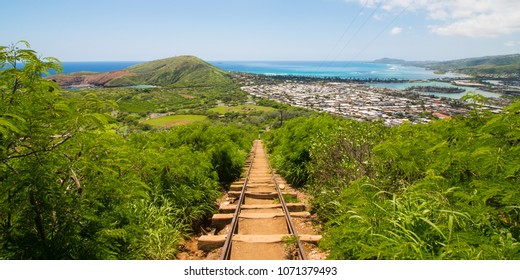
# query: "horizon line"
291, 60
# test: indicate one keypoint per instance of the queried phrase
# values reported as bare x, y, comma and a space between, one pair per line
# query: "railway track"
258, 224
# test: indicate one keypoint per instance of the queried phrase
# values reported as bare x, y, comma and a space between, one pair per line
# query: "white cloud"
471, 18
378, 17
396, 30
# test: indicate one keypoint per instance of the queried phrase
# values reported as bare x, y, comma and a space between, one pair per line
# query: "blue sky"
140, 30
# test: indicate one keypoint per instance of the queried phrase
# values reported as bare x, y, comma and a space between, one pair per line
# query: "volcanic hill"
177, 71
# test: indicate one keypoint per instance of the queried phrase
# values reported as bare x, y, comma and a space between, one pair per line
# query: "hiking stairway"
258, 221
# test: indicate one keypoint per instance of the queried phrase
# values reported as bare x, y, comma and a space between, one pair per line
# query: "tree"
39, 181
72, 187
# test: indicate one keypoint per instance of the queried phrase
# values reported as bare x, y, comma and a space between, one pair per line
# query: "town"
357, 100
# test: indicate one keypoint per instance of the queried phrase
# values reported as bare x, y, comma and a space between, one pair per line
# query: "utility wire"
383, 30
357, 31
345, 32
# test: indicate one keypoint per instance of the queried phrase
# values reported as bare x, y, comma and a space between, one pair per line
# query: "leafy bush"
72, 187
446, 190
290, 146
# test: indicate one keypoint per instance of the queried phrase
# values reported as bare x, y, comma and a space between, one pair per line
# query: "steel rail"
290, 225
226, 249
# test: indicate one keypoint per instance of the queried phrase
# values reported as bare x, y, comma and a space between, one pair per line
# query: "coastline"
338, 69
377, 74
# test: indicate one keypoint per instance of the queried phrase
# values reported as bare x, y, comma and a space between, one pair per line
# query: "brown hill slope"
175, 71
87, 79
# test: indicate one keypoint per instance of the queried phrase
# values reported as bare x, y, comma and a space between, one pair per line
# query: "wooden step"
275, 238
293, 207
210, 242
249, 183
268, 184
221, 220
253, 180
238, 188
303, 214
260, 195
263, 182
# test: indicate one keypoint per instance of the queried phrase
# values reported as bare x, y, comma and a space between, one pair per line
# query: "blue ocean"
96, 66
342, 69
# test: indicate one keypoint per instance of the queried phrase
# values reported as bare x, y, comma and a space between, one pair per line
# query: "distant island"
387, 60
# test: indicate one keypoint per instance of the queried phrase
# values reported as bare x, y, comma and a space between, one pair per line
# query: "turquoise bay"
414, 76
341, 69
402, 86
321, 69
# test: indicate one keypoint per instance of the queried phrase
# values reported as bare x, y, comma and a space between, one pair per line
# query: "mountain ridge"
505, 65
482, 66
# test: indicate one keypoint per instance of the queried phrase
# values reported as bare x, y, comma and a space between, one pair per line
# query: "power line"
358, 30
346, 30
383, 30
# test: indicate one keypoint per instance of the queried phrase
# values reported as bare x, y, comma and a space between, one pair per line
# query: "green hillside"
179, 71
501, 65
168, 121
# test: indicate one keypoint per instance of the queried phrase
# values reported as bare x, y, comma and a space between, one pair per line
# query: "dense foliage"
500, 64
72, 186
138, 108
446, 190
